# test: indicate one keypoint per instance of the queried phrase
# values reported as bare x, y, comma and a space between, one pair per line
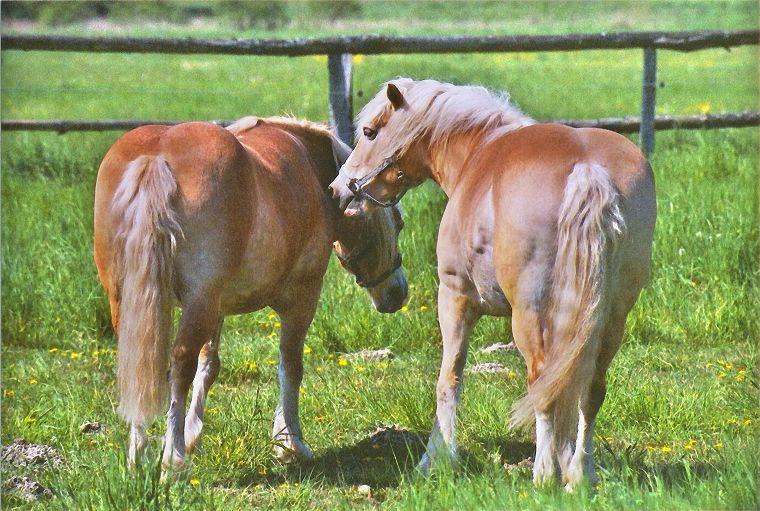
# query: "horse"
220, 222
549, 224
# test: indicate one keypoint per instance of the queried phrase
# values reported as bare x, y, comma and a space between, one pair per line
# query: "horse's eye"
370, 133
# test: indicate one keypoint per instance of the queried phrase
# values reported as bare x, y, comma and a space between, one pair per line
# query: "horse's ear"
395, 96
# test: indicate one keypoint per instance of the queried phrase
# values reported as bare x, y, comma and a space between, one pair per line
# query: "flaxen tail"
144, 244
589, 227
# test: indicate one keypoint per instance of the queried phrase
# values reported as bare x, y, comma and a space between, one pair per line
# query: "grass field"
679, 429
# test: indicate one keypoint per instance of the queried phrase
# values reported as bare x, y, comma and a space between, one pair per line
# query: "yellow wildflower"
76, 355
747, 422
32, 381
319, 369
9, 393
319, 418
722, 375
306, 350
262, 471
718, 445
404, 308
704, 107
277, 324
424, 308
741, 371
195, 482
382, 365
740, 378
53, 350
270, 362
342, 361
665, 448
357, 59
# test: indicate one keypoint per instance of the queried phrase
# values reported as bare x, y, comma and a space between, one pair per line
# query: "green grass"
687, 370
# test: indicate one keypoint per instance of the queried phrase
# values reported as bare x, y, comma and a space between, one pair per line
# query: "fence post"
648, 92
341, 95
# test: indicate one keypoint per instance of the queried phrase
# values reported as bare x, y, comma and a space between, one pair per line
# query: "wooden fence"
340, 49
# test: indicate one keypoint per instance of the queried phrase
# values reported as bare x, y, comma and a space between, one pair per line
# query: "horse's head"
367, 246
388, 159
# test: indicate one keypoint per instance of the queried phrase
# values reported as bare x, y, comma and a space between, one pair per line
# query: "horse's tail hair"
589, 227
144, 246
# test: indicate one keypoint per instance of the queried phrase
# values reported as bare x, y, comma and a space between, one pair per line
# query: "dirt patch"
500, 347
24, 454
25, 489
90, 428
526, 464
488, 367
371, 355
392, 436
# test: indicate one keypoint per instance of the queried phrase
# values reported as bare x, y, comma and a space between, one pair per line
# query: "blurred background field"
686, 375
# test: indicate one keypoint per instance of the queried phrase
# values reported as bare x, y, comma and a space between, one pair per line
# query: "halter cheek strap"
357, 185
348, 263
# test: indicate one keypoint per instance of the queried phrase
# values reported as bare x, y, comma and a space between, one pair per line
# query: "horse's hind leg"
199, 325
286, 430
529, 337
581, 465
205, 375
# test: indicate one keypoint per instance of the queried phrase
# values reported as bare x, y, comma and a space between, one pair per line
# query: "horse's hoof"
299, 452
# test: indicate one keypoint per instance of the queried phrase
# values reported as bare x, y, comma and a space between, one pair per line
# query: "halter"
349, 262
357, 185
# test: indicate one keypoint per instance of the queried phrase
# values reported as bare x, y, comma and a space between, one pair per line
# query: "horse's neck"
448, 160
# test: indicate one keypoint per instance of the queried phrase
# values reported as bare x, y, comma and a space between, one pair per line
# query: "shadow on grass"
382, 460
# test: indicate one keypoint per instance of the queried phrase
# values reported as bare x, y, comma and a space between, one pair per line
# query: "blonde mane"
340, 149
441, 111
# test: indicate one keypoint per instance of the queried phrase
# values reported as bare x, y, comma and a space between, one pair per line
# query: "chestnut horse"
224, 221
546, 223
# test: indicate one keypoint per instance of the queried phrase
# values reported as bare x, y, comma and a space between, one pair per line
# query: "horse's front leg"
457, 316
286, 431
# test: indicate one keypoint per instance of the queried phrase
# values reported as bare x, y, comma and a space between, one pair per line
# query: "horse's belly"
492, 299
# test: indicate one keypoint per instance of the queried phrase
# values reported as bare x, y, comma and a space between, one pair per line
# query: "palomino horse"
550, 224
224, 221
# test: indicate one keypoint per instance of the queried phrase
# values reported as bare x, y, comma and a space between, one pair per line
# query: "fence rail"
376, 44
340, 49
620, 124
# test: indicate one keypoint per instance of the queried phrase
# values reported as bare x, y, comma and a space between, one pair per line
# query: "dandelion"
277, 324
404, 308
747, 422
9, 393
739, 379
424, 308
195, 482
271, 315
732, 421
382, 365
718, 445
690, 444
320, 418
53, 350
359, 369
722, 375
319, 369
704, 107
306, 350
357, 59
741, 371
284, 485
665, 448
251, 365
651, 448
301, 391
270, 362
342, 362
262, 471
76, 355
32, 381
